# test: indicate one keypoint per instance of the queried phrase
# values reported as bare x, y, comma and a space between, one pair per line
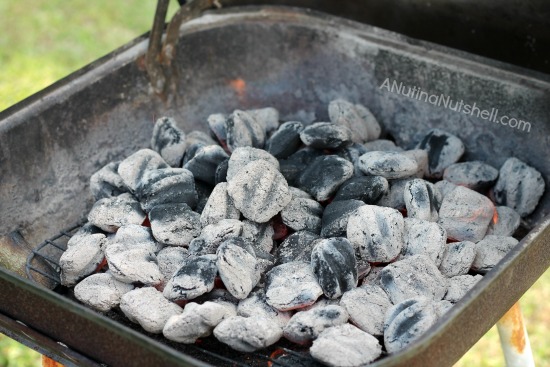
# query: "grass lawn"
44, 40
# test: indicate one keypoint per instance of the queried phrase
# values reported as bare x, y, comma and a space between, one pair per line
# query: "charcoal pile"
323, 234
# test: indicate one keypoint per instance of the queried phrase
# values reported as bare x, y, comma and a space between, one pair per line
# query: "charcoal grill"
295, 60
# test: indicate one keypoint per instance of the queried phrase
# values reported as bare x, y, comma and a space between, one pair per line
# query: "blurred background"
42, 41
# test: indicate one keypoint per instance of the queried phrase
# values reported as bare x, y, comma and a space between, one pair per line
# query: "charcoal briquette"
373, 126
421, 158
505, 223
367, 306
443, 150
84, 231
474, 175
107, 183
422, 237
255, 305
444, 187
169, 141
259, 235
460, 285
213, 234
286, 140
305, 326
205, 162
394, 197
390, 165
101, 291
297, 193
382, 145
326, 135
170, 259
293, 166
442, 307
82, 258
296, 247
457, 258
166, 186
422, 200
136, 235
203, 193
221, 172
216, 123
490, 250
219, 206
131, 169
130, 263
303, 214
196, 277
373, 276
198, 137
268, 117
324, 175
237, 269
357, 118
336, 216
243, 155
247, 334
352, 154
174, 224
109, 214
243, 130
368, 189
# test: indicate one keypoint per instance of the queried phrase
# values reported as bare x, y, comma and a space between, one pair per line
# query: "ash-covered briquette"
422, 200
82, 258
110, 214
216, 123
296, 247
407, 321
376, 232
303, 214
444, 187
367, 306
101, 291
243, 155
174, 224
131, 263
373, 276
268, 117
196, 277
352, 154
460, 285
297, 193
219, 206
132, 168
368, 189
333, 263
490, 250
134, 235
191, 151
356, 117
457, 258
147, 307
519, 186
506, 222
474, 175
292, 286
324, 176
422, 237
259, 235
198, 137
443, 149
243, 130
107, 183
205, 162
442, 307
286, 140
255, 305
203, 193
213, 234
306, 326
390, 165
170, 259
326, 135
197, 321
382, 145
421, 158
345, 346
259, 191
394, 197
237, 269
166, 186
247, 334
221, 171
84, 231
336, 215
465, 214
293, 166
413, 277
169, 141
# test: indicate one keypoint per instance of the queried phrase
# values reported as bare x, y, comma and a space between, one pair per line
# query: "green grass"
44, 40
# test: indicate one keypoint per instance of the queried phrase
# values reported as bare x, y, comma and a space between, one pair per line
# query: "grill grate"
282, 354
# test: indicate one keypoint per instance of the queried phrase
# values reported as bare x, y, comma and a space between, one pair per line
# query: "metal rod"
514, 339
156, 75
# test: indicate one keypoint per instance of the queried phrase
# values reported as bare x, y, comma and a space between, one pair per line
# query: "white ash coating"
216, 123
323, 176
465, 214
475, 175
131, 264
382, 145
373, 127
170, 259
303, 214
101, 291
194, 278
415, 276
508, 221
444, 187
259, 235
377, 232
519, 186
421, 158
256, 305
147, 307
326, 135
390, 165
345, 346
110, 214
174, 224
422, 200
197, 321
306, 326
237, 269
198, 137
297, 193
443, 150
241, 156
259, 191
268, 117
373, 276
81, 258
134, 233
344, 113
460, 285
424, 238
296, 247
457, 258
132, 168
367, 306
243, 130
213, 234
394, 196
490, 251
219, 206
247, 334
441, 307
107, 182
407, 321
291, 286
168, 140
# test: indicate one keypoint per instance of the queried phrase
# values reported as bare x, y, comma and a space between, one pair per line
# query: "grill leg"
48, 362
514, 339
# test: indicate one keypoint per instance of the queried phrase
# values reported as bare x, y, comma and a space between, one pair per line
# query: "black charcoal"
519, 186
213, 234
352, 154
191, 151
205, 162
109, 214
324, 175
268, 117
504, 223
333, 263
237, 269
412, 277
101, 291
248, 334
422, 200
295, 164
174, 224
422, 237
221, 171
107, 183
457, 258
305, 326
256, 305
395, 198
291, 286
390, 165
326, 135
376, 233
166, 186
421, 158
132, 263
460, 285
219, 206
490, 251
336, 215
196, 277
203, 193
296, 247
443, 149
169, 141
82, 258
147, 307
345, 345
382, 145
243, 130
367, 306
286, 140
131, 169
259, 235
303, 214
216, 123
368, 189
474, 175
243, 155
84, 231
263, 199
170, 259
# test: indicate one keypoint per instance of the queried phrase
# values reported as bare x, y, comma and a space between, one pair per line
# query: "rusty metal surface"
296, 61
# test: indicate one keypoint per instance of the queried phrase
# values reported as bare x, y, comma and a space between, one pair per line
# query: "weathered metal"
514, 339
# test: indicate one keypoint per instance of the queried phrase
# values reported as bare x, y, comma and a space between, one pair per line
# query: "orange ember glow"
495, 216
276, 354
239, 86
47, 362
